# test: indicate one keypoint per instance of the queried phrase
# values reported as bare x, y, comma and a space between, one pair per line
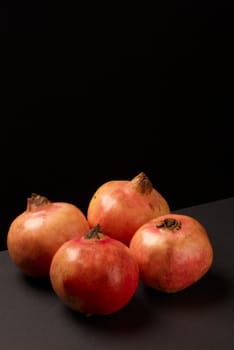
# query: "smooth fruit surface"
94, 274
120, 207
173, 252
36, 234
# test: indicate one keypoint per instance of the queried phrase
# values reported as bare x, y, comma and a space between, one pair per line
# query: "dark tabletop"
200, 317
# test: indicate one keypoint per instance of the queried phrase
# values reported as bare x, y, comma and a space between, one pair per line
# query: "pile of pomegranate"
96, 260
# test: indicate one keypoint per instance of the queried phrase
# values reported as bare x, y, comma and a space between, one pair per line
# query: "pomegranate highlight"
35, 235
173, 252
120, 207
94, 274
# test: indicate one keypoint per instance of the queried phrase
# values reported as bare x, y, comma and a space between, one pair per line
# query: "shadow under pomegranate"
211, 289
135, 316
42, 284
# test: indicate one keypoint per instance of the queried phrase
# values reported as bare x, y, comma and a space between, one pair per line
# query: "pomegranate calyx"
36, 201
142, 183
170, 224
95, 232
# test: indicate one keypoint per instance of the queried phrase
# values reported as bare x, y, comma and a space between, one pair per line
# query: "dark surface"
92, 93
200, 317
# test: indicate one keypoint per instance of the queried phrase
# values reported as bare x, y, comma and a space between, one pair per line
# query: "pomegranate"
35, 235
94, 274
120, 207
173, 251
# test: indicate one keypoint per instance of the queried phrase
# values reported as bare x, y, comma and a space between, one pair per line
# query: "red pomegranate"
94, 274
120, 207
36, 234
173, 251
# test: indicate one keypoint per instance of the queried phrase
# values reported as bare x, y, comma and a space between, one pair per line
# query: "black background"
98, 92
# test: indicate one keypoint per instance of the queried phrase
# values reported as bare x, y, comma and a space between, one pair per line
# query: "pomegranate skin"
94, 276
120, 207
35, 235
173, 252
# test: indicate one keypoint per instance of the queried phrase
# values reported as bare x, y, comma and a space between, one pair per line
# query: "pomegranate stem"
94, 232
36, 201
142, 183
169, 224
